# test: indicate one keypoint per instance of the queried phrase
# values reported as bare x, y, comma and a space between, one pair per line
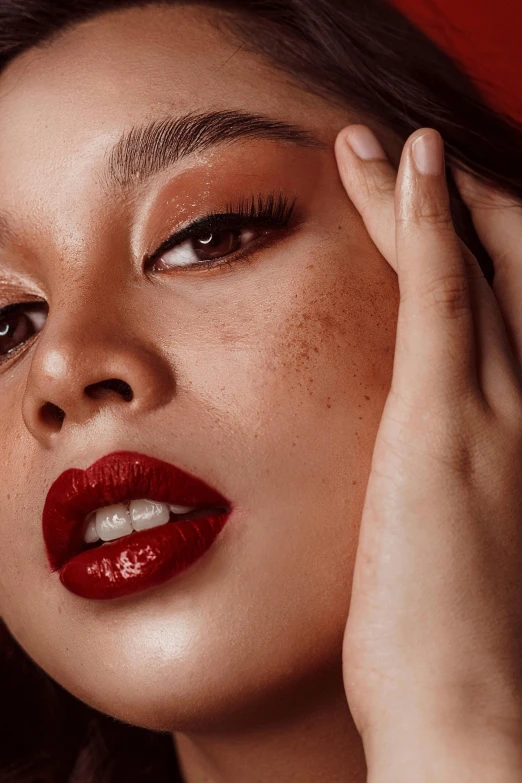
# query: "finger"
369, 180
436, 328
497, 218
496, 371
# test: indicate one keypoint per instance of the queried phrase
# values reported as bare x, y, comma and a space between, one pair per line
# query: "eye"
207, 246
225, 237
18, 323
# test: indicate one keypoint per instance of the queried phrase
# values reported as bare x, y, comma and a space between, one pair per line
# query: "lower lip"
141, 560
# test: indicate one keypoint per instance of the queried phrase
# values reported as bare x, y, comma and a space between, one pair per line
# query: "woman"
219, 326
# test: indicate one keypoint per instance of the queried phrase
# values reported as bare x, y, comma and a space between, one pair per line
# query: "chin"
189, 678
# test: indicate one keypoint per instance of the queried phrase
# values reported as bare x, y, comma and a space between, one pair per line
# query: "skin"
432, 650
266, 379
274, 703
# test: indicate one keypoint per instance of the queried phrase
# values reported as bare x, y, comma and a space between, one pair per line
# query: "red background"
485, 36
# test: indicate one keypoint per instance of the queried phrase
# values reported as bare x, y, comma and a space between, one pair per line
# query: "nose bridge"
87, 317
92, 354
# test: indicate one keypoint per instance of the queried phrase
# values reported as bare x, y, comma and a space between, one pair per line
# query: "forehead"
122, 68
64, 105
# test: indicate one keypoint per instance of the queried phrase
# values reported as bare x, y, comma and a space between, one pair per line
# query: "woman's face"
265, 377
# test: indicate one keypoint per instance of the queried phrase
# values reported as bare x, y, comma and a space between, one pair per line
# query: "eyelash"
270, 212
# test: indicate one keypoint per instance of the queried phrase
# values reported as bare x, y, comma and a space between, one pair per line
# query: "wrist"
463, 749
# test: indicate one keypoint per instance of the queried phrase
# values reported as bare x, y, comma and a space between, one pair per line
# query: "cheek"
338, 337
328, 360
326, 378
16, 517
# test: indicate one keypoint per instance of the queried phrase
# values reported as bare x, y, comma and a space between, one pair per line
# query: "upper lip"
118, 477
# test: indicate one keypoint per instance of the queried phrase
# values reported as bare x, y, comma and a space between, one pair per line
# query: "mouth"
127, 523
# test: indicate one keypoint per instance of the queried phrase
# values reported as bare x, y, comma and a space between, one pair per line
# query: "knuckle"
438, 434
431, 212
448, 296
434, 219
384, 188
455, 455
377, 190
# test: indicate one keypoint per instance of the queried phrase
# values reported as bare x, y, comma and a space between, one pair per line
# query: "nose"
80, 371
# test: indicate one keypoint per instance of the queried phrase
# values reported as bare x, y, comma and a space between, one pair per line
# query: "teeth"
91, 534
113, 522
148, 513
116, 521
180, 509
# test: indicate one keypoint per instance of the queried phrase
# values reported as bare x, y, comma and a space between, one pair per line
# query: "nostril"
95, 390
52, 415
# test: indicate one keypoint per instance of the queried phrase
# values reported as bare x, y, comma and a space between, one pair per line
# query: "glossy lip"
142, 559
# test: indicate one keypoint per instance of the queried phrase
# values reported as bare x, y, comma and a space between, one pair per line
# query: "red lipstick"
141, 559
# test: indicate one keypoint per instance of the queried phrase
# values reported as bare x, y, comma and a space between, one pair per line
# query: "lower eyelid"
14, 352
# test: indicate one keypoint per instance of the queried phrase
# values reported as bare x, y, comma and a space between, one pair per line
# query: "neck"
309, 735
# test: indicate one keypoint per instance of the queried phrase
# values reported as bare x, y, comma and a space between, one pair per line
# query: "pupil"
217, 244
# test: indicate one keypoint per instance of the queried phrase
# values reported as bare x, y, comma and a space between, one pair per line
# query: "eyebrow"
144, 151
7, 233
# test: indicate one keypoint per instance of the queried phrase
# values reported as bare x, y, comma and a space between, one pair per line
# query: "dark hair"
358, 53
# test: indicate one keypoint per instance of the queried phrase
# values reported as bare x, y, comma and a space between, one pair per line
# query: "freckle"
360, 418
354, 483
366, 397
9, 497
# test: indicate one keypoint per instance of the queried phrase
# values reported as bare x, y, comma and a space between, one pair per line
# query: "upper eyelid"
13, 308
185, 233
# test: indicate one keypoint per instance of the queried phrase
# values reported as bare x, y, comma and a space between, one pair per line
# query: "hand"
433, 643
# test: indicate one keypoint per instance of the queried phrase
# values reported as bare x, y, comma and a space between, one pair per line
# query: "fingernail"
428, 153
365, 143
